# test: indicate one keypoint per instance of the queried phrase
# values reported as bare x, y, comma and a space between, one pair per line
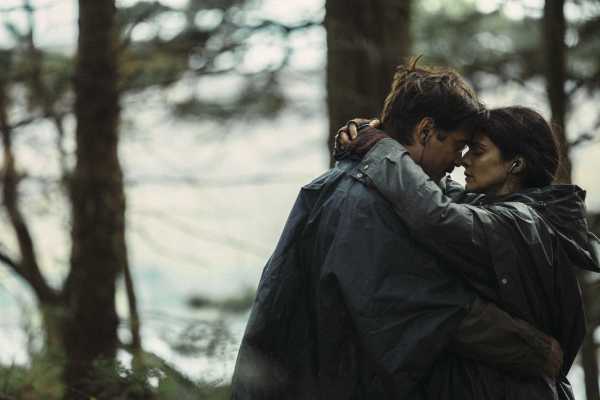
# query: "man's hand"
492, 336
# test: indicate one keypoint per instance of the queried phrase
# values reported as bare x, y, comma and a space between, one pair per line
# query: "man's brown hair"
420, 91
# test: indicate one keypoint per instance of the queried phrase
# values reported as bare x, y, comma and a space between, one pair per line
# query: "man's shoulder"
342, 199
349, 187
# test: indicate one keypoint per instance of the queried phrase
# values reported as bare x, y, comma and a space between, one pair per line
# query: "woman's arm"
456, 231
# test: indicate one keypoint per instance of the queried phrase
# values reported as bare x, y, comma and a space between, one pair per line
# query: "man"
349, 306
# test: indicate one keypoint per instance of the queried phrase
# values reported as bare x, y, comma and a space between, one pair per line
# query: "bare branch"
8, 10
26, 7
28, 267
584, 138
25, 122
5, 259
284, 27
41, 91
127, 36
134, 325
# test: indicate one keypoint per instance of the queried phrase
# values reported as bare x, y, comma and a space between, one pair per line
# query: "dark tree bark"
554, 27
98, 252
365, 41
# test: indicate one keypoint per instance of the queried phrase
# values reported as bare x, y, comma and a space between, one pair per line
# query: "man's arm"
491, 336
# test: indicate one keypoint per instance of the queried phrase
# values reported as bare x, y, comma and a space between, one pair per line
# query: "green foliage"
584, 61
156, 61
259, 98
196, 51
169, 389
509, 49
157, 381
140, 71
139, 12
497, 45
40, 380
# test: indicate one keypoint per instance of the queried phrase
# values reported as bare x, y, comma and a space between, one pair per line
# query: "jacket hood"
563, 207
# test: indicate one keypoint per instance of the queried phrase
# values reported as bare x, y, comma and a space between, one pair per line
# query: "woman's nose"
464, 161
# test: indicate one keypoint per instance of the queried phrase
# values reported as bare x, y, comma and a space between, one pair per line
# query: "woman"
514, 237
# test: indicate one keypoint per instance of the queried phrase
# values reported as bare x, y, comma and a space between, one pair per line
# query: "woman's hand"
358, 136
349, 132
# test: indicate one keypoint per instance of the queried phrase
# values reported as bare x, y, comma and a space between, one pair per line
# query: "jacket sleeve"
490, 335
457, 231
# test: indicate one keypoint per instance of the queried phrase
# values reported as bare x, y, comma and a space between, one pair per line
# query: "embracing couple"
391, 281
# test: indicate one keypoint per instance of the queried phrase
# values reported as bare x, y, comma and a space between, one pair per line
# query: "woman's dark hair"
523, 132
419, 92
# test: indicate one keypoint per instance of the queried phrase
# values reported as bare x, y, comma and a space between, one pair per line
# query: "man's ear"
424, 130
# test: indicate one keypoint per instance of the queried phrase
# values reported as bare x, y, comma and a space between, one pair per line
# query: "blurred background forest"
151, 151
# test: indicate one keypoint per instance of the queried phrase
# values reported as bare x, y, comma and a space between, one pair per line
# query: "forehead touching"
461, 136
480, 139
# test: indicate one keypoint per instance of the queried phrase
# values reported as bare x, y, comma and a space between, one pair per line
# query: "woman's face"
485, 170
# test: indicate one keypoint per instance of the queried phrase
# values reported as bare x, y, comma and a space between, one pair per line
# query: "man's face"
440, 156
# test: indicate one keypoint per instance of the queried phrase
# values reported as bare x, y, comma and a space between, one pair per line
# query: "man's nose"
459, 161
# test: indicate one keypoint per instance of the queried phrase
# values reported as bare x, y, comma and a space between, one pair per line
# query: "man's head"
426, 111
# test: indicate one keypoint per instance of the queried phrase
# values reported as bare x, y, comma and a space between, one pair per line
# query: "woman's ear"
517, 166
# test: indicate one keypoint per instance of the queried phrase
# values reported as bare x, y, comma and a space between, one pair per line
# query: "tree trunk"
554, 26
53, 315
365, 41
98, 251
